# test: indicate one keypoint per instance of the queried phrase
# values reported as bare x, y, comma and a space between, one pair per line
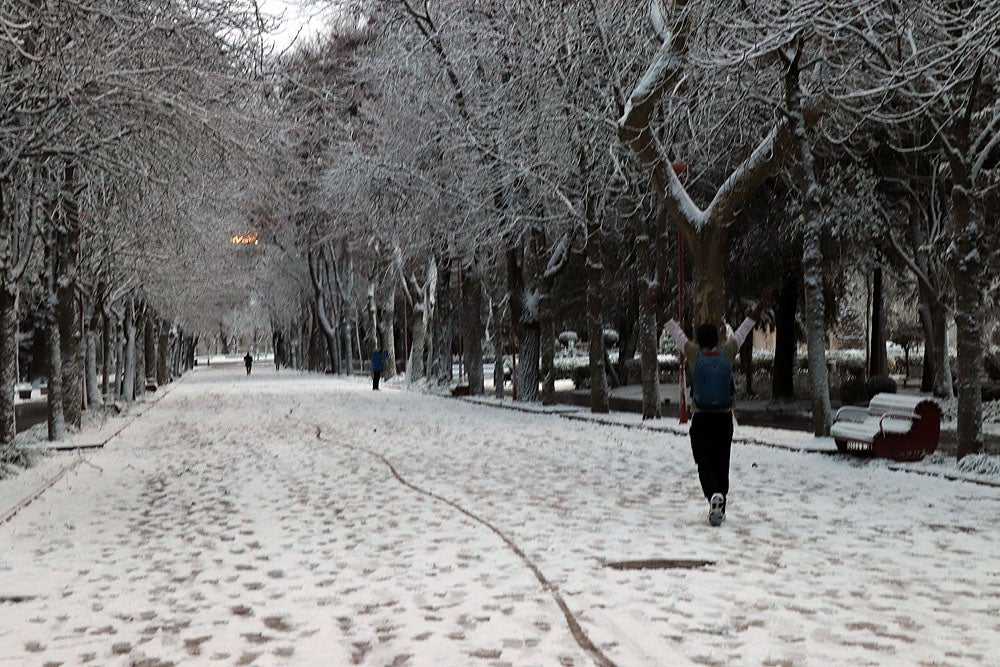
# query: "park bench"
901, 428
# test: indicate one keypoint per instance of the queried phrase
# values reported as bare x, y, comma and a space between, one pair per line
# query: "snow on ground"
291, 519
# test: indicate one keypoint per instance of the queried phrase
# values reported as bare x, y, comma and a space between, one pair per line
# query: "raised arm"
747, 326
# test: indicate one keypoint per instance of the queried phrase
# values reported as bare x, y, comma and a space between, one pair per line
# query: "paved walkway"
284, 519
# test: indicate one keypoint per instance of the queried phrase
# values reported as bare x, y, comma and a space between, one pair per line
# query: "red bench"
901, 428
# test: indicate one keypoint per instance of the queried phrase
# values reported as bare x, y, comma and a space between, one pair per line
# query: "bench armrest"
895, 415
851, 413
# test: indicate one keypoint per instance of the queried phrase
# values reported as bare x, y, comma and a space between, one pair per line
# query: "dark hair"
707, 336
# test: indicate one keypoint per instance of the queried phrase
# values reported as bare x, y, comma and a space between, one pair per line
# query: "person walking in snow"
709, 364
378, 359
248, 362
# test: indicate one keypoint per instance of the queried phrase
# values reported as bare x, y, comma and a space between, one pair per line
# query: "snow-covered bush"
981, 464
568, 339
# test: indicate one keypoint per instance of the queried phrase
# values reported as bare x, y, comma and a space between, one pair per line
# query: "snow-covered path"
287, 519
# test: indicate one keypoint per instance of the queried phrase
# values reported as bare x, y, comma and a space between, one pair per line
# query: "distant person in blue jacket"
378, 359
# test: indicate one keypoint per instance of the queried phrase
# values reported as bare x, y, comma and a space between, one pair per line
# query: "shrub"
852, 392
853, 366
581, 377
993, 365
879, 384
991, 391
633, 370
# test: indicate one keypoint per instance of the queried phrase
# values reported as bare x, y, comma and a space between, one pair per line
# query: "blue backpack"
713, 380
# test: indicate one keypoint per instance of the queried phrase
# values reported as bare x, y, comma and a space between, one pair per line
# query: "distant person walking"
709, 364
378, 359
248, 362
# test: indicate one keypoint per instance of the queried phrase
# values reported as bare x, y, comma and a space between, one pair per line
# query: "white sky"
295, 519
300, 18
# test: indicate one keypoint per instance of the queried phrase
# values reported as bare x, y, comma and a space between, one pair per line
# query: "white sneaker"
717, 509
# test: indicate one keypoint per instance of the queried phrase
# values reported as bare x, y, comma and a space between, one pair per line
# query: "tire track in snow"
575, 629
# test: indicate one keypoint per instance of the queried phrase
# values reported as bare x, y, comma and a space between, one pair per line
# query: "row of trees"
490, 171
425, 177
122, 127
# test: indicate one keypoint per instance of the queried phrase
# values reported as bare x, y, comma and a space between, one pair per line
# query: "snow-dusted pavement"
286, 519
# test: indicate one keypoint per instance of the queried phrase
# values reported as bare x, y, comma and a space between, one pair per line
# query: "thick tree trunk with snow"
708, 273
812, 255
68, 321
499, 346
106, 353
532, 269
415, 366
8, 373
127, 372
318, 269
528, 359
966, 265
599, 394
647, 331
934, 322
443, 324
149, 347
422, 316
472, 326
162, 350
547, 342
93, 384
56, 419
387, 329
140, 352
933, 315
67, 306
371, 309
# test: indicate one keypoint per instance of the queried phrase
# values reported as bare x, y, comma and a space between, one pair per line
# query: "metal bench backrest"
882, 403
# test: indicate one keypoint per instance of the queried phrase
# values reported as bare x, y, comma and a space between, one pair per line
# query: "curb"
581, 416
34, 495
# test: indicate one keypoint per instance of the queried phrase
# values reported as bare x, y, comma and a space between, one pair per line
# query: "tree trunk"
105, 354
708, 269
162, 350
415, 368
443, 324
966, 265
547, 342
387, 331
318, 269
599, 394
647, 331
140, 352
472, 327
93, 385
648, 343
533, 268
812, 255
746, 363
8, 374
371, 330
783, 371
150, 345
499, 347
68, 316
878, 362
57, 419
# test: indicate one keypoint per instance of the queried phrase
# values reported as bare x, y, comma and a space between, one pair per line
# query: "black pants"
376, 376
711, 442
